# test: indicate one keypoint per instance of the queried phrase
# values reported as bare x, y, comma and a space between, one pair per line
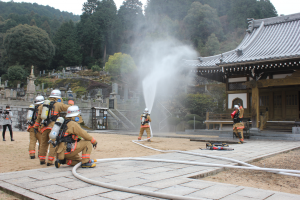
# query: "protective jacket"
147, 119
34, 117
57, 108
71, 135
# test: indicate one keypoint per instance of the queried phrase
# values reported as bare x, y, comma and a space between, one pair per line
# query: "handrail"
117, 118
125, 118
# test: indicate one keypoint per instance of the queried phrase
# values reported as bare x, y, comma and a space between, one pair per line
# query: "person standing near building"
7, 122
145, 126
238, 125
56, 106
74, 140
34, 135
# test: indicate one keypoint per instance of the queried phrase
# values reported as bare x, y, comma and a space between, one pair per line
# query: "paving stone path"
170, 178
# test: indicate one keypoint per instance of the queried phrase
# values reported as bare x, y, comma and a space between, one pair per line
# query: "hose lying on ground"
169, 196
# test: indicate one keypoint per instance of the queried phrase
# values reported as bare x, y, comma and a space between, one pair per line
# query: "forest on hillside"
31, 34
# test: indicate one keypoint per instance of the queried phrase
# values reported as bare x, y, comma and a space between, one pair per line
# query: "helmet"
39, 100
236, 107
71, 102
55, 93
146, 110
73, 111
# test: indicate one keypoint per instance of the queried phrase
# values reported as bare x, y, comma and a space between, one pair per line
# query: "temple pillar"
255, 107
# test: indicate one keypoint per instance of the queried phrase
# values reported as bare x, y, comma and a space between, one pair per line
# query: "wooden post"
283, 105
207, 117
271, 105
255, 107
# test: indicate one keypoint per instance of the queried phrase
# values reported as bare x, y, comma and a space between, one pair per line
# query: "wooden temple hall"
262, 73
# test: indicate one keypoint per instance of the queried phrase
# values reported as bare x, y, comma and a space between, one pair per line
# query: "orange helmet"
71, 102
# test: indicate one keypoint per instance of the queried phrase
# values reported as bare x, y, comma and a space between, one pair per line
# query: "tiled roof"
265, 40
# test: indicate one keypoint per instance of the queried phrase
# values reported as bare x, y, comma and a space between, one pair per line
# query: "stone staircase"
117, 115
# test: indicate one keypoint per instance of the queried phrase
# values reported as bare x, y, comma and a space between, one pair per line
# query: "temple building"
263, 72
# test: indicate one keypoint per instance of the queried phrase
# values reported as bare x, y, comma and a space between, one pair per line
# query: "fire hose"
169, 196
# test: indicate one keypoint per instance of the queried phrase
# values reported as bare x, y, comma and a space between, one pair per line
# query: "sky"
285, 7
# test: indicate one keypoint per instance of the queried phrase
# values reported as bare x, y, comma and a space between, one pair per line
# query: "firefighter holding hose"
145, 126
238, 125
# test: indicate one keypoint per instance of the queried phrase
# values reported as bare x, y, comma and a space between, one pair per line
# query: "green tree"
67, 48
96, 31
198, 104
119, 64
212, 46
96, 68
28, 45
16, 72
201, 21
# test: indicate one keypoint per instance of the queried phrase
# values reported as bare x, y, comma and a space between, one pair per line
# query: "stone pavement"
170, 178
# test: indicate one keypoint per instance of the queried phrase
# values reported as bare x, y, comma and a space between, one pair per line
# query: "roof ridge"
276, 20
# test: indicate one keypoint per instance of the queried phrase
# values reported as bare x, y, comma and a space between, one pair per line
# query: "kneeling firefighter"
32, 115
47, 116
238, 125
67, 136
145, 126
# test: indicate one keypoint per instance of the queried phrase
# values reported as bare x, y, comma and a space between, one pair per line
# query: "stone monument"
31, 87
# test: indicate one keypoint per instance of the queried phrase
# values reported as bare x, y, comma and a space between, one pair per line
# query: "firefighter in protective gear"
45, 126
34, 135
145, 126
241, 110
73, 141
238, 125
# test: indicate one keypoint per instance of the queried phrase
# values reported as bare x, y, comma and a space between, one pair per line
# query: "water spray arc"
164, 57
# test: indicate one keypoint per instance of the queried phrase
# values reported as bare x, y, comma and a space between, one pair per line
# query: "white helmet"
236, 107
39, 100
146, 110
73, 111
55, 93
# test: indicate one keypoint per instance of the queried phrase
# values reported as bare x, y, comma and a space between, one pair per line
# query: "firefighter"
241, 110
145, 118
238, 125
56, 106
34, 136
73, 140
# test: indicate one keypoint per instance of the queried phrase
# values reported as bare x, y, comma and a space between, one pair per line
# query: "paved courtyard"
162, 177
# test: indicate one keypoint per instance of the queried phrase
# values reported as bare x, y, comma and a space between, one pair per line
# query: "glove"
95, 145
35, 130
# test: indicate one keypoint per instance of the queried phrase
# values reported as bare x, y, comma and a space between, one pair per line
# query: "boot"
12, 139
32, 157
42, 162
139, 138
240, 142
148, 140
4, 139
89, 164
57, 164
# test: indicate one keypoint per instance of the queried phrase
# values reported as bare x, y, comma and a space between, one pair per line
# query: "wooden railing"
263, 120
224, 116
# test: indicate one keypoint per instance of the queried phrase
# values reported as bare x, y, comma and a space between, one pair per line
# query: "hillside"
6, 8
